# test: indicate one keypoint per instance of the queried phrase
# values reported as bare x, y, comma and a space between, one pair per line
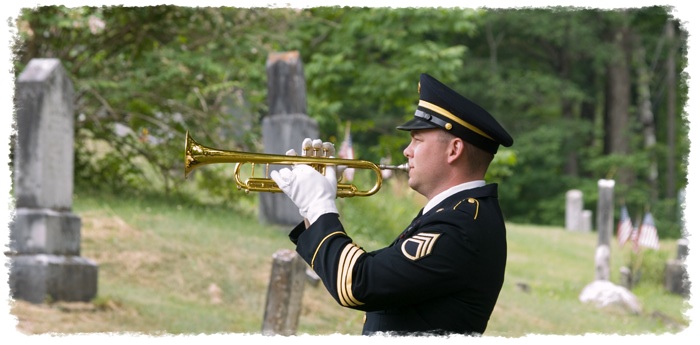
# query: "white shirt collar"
452, 190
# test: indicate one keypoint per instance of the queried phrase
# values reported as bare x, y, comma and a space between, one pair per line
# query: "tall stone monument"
605, 224
286, 126
601, 291
44, 233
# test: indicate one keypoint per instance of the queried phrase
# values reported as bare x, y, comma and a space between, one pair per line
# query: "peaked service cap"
441, 107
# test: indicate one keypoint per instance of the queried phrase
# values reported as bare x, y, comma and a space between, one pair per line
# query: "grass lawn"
168, 266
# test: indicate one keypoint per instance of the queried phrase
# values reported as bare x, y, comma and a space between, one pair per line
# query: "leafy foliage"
145, 75
362, 65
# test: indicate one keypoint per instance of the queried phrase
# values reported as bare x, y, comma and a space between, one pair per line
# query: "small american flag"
624, 227
648, 236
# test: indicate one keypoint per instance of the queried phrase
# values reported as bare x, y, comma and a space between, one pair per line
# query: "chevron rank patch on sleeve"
419, 246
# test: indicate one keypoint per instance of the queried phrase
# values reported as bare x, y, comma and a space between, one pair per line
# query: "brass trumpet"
197, 155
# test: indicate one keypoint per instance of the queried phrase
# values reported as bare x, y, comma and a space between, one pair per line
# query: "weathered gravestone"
576, 218
586, 221
676, 278
284, 294
574, 207
45, 234
284, 128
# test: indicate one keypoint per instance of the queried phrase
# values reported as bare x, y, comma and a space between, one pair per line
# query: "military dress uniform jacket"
442, 275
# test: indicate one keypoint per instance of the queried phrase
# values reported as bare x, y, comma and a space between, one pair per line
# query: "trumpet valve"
306, 146
317, 145
328, 149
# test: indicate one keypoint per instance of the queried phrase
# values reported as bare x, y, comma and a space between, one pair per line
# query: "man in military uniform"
443, 274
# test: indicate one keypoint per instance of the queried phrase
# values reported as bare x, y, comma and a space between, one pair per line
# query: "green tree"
543, 73
145, 75
362, 65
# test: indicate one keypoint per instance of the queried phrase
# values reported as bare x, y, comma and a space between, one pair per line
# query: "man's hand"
313, 193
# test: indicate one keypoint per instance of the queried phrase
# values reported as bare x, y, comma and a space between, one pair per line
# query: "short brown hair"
478, 160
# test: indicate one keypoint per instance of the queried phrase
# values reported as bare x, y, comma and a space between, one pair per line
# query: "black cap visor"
417, 123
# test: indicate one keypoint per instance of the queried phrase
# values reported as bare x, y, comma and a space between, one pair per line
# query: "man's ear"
455, 149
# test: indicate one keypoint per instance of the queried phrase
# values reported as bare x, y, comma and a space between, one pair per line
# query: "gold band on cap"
452, 117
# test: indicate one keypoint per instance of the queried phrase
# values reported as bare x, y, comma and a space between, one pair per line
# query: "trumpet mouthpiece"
402, 167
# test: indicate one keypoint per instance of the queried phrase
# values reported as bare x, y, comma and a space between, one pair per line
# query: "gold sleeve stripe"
313, 258
347, 261
449, 115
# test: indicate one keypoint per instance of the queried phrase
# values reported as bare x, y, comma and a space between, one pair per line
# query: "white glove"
313, 193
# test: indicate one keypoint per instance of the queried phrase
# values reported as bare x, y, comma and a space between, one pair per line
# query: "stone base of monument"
603, 293
40, 278
45, 261
45, 231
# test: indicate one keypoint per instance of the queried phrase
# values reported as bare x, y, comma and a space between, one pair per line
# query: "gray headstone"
676, 278
285, 293
286, 85
626, 277
285, 128
574, 206
586, 220
44, 233
44, 152
281, 133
